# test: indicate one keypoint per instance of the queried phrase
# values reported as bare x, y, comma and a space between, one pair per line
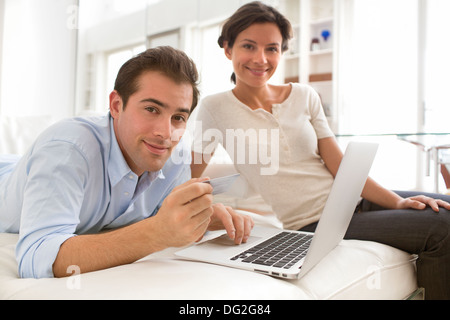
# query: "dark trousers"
425, 233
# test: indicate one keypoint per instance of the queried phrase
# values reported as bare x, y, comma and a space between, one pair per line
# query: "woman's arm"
332, 156
198, 164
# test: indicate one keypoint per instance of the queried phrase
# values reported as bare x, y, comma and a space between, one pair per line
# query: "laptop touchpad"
225, 240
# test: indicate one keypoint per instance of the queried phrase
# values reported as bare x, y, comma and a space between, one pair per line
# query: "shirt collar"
118, 167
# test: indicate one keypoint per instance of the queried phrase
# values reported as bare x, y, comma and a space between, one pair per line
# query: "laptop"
291, 254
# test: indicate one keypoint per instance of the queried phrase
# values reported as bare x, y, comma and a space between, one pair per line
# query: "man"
85, 176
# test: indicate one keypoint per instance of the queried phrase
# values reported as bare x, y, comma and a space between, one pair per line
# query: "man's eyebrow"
163, 105
159, 103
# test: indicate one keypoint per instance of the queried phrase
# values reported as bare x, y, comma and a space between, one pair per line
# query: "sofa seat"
353, 270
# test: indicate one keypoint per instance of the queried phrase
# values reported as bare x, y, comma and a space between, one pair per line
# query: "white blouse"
276, 152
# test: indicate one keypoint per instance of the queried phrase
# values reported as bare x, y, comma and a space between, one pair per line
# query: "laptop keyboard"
282, 250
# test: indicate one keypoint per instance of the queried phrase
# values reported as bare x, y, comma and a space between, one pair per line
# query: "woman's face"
256, 54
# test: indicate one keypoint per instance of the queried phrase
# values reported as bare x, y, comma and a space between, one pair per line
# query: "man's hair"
171, 62
252, 13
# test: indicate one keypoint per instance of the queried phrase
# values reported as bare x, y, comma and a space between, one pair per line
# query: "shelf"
292, 79
290, 56
322, 21
313, 67
321, 52
320, 77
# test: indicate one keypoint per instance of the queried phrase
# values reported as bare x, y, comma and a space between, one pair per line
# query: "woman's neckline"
286, 94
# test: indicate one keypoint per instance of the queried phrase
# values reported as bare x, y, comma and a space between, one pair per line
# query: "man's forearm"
107, 250
182, 219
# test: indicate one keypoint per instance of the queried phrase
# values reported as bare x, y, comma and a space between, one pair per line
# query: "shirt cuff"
37, 262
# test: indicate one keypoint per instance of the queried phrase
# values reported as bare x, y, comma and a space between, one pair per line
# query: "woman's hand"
421, 202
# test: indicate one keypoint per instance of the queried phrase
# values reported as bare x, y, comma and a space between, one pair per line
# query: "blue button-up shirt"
74, 180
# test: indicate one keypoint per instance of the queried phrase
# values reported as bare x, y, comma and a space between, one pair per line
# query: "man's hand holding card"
222, 184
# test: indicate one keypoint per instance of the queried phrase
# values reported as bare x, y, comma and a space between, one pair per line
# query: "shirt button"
131, 177
126, 194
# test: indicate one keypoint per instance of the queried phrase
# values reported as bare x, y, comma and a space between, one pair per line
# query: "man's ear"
227, 50
115, 104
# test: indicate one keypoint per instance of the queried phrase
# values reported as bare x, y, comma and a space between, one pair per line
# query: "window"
393, 68
101, 73
214, 67
437, 66
381, 68
116, 59
379, 82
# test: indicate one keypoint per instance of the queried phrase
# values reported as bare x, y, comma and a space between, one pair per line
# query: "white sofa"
353, 270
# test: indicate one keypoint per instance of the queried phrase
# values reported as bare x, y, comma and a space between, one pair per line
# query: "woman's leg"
425, 233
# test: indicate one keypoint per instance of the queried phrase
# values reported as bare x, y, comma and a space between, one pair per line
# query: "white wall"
103, 30
38, 58
186, 12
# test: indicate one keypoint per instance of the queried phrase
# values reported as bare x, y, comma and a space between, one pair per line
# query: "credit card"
222, 184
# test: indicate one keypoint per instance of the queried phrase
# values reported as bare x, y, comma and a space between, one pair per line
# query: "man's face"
153, 121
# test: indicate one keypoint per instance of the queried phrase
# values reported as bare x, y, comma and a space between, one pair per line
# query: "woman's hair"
249, 14
173, 63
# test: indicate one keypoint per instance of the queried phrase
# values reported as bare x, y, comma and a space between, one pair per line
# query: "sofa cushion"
18, 133
353, 270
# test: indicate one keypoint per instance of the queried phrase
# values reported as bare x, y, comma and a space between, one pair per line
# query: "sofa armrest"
18, 133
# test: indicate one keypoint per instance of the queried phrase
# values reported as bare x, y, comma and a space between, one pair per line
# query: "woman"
254, 39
